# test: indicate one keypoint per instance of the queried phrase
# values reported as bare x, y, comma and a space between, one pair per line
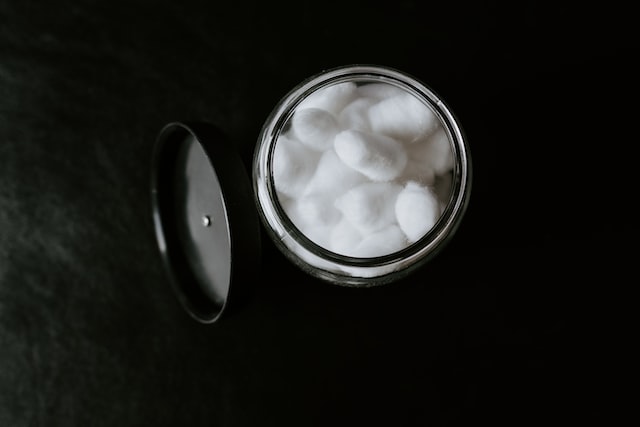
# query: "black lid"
205, 219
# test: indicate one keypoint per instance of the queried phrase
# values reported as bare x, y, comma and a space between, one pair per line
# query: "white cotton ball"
293, 166
403, 117
318, 234
384, 242
344, 238
417, 210
288, 204
428, 158
378, 157
331, 98
317, 210
332, 177
314, 127
311, 217
314, 231
418, 171
439, 151
370, 206
356, 115
379, 91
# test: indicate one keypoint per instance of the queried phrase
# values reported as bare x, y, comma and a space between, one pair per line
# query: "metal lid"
206, 224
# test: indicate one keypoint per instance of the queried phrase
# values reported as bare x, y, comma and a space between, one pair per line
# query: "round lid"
206, 224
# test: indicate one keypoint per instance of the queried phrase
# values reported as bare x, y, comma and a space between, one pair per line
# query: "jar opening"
361, 169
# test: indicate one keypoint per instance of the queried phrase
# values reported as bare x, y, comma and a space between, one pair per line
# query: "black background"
511, 325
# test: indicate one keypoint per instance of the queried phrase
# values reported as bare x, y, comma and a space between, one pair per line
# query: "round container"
375, 84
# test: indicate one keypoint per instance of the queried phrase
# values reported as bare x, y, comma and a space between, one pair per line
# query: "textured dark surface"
506, 326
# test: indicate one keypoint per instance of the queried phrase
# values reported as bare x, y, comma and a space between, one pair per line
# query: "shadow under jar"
361, 174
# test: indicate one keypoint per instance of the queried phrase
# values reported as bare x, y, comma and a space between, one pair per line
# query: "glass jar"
372, 110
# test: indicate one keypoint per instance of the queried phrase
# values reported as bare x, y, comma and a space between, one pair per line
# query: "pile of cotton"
363, 170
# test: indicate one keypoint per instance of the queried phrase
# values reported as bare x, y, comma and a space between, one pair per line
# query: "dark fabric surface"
507, 326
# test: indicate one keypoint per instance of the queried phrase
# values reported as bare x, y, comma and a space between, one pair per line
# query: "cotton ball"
317, 210
378, 157
356, 115
403, 117
439, 151
316, 231
428, 158
384, 242
318, 234
313, 216
419, 171
293, 166
288, 204
331, 98
344, 238
314, 127
332, 177
370, 206
379, 91
417, 210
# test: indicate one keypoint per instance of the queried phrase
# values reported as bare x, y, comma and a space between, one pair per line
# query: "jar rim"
320, 261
